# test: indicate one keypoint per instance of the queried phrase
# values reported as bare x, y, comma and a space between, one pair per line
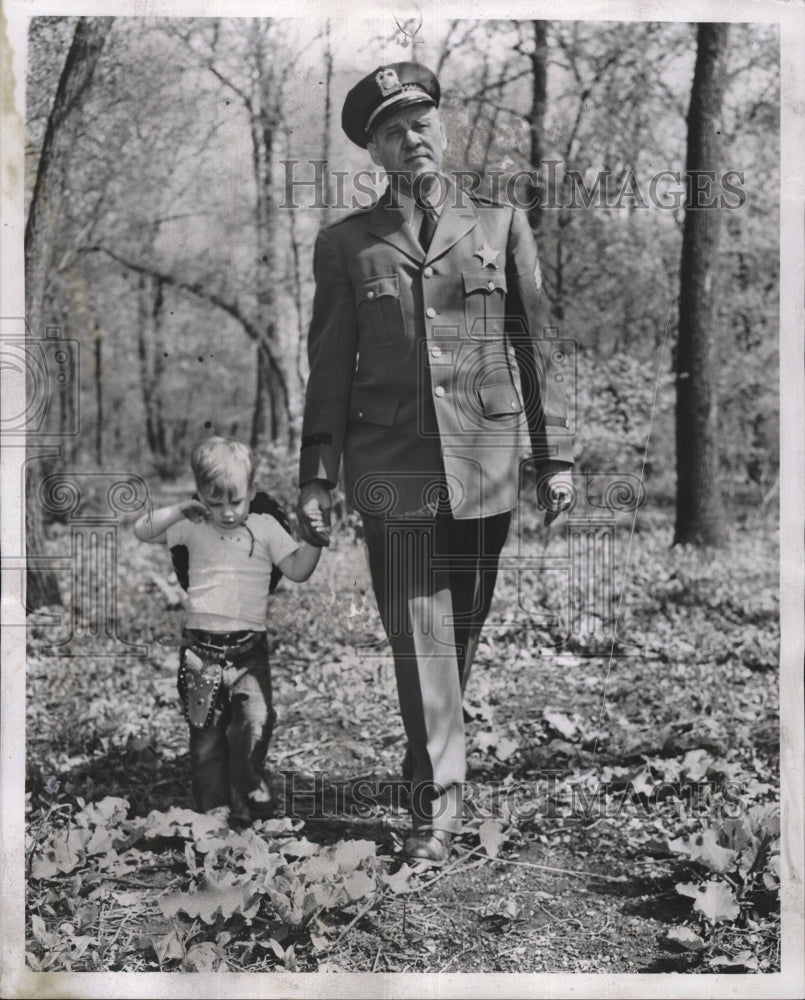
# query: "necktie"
428, 226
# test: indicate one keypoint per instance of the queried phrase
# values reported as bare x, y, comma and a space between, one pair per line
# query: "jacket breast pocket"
499, 400
484, 303
380, 315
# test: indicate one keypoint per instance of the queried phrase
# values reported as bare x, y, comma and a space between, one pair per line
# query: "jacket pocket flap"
499, 399
375, 409
382, 284
484, 281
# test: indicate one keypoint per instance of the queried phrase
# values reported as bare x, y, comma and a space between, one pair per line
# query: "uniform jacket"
430, 372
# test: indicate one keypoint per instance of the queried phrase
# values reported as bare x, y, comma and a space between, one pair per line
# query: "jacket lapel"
454, 223
388, 223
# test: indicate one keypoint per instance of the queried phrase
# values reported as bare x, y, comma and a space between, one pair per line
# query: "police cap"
384, 91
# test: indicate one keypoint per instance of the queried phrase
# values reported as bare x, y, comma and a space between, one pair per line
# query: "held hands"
554, 490
313, 512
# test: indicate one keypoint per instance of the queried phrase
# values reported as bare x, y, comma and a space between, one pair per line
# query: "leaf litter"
584, 770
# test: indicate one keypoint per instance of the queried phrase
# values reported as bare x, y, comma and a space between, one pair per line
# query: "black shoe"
429, 845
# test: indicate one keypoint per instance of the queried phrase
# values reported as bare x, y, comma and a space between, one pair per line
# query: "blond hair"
218, 464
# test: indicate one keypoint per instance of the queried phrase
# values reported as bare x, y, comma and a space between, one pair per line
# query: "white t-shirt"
228, 588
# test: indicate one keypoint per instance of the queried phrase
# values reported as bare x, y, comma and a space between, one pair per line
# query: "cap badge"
388, 81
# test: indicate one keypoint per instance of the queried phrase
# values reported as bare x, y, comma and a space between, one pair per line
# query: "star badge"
488, 255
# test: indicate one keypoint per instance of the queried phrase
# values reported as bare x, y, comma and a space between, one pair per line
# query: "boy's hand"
194, 510
315, 518
313, 513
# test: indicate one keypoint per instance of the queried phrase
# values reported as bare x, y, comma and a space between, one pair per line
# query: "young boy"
224, 674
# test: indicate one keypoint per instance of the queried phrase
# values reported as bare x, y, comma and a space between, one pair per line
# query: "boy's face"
229, 508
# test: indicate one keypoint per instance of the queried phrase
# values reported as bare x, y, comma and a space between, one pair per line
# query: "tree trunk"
536, 117
699, 514
42, 586
98, 379
327, 128
44, 215
270, 421
272, 416
150, 354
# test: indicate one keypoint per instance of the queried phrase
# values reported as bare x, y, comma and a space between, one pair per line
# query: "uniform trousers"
433, 579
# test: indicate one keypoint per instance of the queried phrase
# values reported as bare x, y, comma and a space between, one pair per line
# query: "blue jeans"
227, 757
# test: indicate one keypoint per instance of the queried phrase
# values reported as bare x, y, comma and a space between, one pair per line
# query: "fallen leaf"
87, 915
206, 904
685, 938
277, 948
714, 900
703, 848
40, 931
561, 723
318, 868
744, 959
492, 834
358, 885
203, 957
301, 848
168, 946
401, 881
110, 811
505, 748
695, 764
101, 842
643, 783
275, 827
349, 854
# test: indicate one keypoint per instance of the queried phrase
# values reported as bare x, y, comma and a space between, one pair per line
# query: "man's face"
409, 143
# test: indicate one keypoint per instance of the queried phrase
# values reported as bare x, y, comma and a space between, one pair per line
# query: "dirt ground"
593, 782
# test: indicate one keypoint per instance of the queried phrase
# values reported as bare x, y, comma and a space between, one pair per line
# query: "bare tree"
699, 516
42, 223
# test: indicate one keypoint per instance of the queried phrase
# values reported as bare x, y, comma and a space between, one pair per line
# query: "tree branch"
194, 288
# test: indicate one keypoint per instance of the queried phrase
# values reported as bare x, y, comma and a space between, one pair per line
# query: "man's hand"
554, 490
313, 511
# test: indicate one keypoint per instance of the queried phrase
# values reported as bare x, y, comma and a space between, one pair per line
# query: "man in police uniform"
429, 377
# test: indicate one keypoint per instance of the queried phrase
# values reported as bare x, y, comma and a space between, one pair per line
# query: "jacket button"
490, 285
370, 295
430, 312
514, 404
436, 352
428, 272
439, 390
360, 413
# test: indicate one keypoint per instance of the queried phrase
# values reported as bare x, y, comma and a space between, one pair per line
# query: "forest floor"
622, 815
